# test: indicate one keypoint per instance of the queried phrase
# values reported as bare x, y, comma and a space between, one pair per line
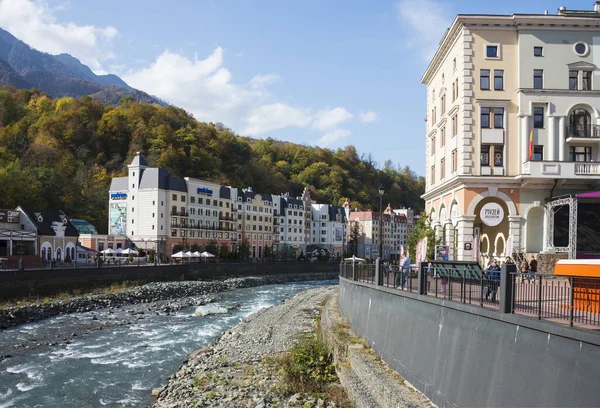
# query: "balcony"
561, 170
180, 213
583, 133
225, 218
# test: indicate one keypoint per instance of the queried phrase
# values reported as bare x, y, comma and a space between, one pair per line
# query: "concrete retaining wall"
46, 282
462, 355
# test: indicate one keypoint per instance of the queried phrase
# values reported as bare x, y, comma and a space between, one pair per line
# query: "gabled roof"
138, 160
156, 178
43, 221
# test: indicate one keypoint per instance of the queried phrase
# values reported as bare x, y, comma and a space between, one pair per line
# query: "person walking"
533, 266
524, 267
493, 276
404, 271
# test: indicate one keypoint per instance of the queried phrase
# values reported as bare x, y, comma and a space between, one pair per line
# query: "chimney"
597, 7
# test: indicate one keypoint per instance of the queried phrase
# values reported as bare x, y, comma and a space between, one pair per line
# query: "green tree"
422, 230
244, 251
212, 247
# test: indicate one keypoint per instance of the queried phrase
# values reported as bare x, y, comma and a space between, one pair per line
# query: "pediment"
581, 65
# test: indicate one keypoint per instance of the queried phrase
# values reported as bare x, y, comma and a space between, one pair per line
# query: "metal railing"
558, 298
563, 300
583, 130
180, 213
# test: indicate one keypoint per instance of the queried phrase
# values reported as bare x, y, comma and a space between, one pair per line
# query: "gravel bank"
229, 373
173, 296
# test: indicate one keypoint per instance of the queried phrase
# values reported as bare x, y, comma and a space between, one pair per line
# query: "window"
132, 209
433, 115
538, 117
498, 118
453, 66
200, 200
538, 79
432, 145
580, 153
484, 157
193, 200
454, 163
454, 126
432, 174
498, 156
442, 136
586, 83
491, 51
538, 153
485, 118
442, 168
573, 80
538, 51
484, 79
208, 201
581, 49
174, 197
443, 104
498, 79
183, 199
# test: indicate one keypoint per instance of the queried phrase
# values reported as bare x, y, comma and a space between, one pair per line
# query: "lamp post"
381, 193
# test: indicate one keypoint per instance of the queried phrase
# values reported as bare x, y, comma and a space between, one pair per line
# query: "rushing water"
122, 362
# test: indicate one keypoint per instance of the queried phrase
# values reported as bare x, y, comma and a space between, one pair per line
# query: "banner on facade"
476, 248
509, 246
491, 214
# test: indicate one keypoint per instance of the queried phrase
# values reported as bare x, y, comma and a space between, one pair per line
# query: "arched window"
580, 122
58, 254
43, 253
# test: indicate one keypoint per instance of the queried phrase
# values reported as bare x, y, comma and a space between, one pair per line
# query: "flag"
401, 250
531, 145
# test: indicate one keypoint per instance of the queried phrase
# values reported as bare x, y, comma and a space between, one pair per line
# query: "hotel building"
513, 119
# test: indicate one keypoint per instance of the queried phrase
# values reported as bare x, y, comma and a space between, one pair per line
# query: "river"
115, 357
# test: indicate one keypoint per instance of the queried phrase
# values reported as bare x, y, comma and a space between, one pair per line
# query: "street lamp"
381, 193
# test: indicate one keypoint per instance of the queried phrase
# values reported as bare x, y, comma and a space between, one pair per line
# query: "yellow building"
513, 119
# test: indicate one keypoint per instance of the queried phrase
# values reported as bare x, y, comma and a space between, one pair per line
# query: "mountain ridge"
24, 67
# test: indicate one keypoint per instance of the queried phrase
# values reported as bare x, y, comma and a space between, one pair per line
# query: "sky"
321, 73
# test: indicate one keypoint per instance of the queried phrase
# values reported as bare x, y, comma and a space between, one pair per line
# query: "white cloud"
330, 118
275, 116
262, 80
425, 24
34, 23
333, 137
368, 117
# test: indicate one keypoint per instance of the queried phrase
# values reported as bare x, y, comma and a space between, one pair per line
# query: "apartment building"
513, 119
329, 228
365, 234
255, 213
290, 223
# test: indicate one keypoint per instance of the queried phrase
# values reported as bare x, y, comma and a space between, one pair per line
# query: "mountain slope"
59, 75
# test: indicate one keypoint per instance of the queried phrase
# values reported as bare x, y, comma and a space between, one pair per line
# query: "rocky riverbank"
234, 371
172, 296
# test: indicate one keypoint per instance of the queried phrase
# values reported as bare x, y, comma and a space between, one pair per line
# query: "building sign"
117, 219
205, 191
338, 234
491, 214
118, 196
9, 216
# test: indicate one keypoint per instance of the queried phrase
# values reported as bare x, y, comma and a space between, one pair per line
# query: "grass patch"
68, 295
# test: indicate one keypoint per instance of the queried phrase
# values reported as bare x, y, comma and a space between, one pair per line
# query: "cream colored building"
494, 82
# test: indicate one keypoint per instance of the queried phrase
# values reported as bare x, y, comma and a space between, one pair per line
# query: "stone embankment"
236, 371
173, 296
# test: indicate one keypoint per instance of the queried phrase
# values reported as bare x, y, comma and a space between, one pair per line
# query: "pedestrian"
404, 271
524, 267
493, 276
509, 260
533, 266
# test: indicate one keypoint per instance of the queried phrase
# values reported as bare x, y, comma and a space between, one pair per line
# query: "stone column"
465, 235
449, 238
561, 139
514, 230
525, 131
438, 230
551, 139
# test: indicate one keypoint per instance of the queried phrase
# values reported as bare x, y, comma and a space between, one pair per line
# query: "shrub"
308, 367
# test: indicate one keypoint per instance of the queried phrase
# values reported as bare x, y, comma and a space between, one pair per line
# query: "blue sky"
327, 73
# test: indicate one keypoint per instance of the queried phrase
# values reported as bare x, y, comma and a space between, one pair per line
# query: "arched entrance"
491, 218
580, 122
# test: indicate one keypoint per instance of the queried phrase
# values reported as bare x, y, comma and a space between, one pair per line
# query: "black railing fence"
565, 300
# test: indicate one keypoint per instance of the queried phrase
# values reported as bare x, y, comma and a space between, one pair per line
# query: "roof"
290, 201
84, 227
44, 219
334, 210
156, 178
119, 184
138, 160
225, 192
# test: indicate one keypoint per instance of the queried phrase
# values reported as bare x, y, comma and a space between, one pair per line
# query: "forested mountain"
59, 75
62, 153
